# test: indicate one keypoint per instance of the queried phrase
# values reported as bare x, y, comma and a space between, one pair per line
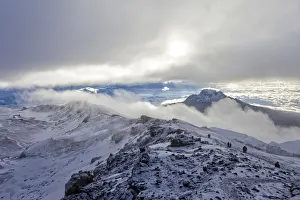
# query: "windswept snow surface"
42, 146
48, 152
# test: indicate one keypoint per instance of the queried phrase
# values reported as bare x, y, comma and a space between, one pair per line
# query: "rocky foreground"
166, 161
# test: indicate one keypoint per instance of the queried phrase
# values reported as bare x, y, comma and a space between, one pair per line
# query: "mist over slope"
225, 113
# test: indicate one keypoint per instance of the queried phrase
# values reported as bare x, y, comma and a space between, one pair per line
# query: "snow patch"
89, 89
165, 89
172, 101
162, 145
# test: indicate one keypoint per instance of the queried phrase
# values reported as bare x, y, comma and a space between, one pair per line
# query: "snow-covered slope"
239, 140
121, 158
64, 142
239, 137
291, 146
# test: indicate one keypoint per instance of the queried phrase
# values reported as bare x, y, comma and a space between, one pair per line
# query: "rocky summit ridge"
175, 160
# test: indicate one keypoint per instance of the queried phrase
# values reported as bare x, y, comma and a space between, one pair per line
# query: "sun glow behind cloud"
178, 48
204, 41
176, 51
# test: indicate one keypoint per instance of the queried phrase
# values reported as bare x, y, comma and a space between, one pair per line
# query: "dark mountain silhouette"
207, 97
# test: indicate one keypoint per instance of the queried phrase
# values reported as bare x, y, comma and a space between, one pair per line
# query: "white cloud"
224, 114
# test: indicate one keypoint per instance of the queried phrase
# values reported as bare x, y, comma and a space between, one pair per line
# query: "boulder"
177, 142
95, 159
186, 183
77, 182
144, 158
145, 119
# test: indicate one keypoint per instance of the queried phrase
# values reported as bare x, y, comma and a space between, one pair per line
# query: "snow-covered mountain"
89, 89
204, 99
207, 97
84, 151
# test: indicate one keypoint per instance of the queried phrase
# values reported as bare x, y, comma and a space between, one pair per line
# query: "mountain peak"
206, 96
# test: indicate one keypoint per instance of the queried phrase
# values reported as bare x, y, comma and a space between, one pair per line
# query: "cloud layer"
58, 43
225, 114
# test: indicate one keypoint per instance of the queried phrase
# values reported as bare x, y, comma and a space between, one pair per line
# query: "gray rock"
233, 158
144, 158
295, 190
110, 159
255, 189
117, 137
95, 159
186, 183
145, 119
155, 131
77, 182
244, 189
176, 142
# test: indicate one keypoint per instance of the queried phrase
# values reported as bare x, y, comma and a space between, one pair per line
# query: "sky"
56, 42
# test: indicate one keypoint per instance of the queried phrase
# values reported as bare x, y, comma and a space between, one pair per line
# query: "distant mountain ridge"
206, 97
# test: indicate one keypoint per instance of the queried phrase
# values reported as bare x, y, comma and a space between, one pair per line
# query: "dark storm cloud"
228, 40
266, 59
55, 33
